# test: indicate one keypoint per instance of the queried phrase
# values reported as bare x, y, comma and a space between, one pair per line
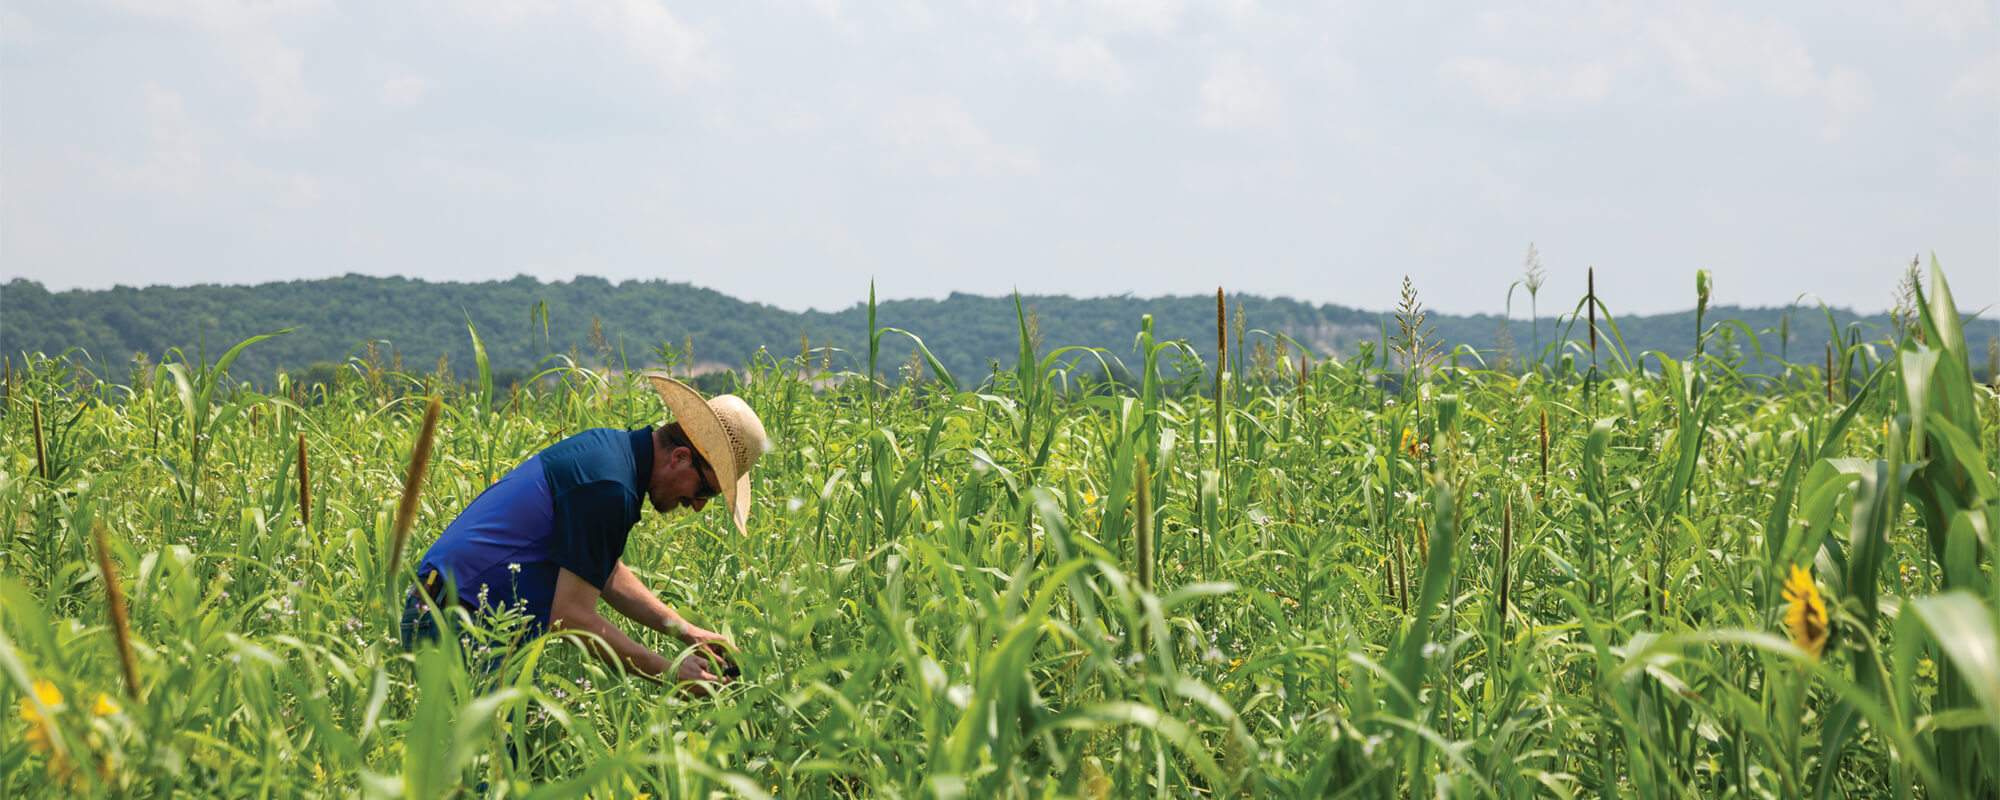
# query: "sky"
790, 152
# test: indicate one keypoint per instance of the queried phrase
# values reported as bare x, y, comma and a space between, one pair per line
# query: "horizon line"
862, 303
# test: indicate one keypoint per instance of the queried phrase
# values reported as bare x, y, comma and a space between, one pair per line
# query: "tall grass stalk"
305, 485
41, 445
1142, 482
1703, 287
1402, 572
1506, 559
114, 598
1542, 438
413, 485
1221, 369
1532, 278
1305, 380
1590, 303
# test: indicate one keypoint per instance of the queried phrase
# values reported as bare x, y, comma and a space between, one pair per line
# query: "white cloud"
1952, 18
1506, 84
828, 9
242, 29
1980, 84
404, 90
285, 105
1151, 16
678, 54
1954, 164
475, 179
655, 36
936, 137
839, 23
1083, 60
223, 16
1846, 91
1712, 54
1237, 95
175, 159
1321, 65
1558, 27
491, 13
16, 30
1846, 94
1021, 12
190, 161
1579, 52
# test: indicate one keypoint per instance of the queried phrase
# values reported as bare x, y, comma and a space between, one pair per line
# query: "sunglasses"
701, 471
705, 491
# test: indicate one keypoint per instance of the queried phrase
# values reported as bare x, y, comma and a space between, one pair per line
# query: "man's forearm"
625, 593
636, 657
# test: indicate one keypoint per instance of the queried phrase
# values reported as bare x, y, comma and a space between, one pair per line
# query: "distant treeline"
524, 322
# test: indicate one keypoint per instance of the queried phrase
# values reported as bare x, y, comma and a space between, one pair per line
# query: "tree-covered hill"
332, 320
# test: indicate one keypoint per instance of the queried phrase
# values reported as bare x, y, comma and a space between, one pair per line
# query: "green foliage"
991, 584
966, 335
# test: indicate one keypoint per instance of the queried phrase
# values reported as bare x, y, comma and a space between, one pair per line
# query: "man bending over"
547, 538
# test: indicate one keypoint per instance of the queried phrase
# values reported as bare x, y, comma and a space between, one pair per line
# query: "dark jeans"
420, 626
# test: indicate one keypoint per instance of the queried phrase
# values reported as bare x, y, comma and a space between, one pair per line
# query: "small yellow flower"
1410, 443
104, 706
1805, 612
38, 728
50, 695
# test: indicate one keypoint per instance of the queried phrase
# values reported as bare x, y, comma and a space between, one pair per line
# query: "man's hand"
715, 645
575, 608
693, 674
626, 593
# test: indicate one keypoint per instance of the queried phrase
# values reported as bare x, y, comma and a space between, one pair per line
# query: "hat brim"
704, 430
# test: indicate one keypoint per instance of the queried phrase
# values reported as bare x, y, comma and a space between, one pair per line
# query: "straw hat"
726, 433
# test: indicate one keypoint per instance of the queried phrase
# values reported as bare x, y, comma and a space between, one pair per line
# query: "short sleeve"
591, 522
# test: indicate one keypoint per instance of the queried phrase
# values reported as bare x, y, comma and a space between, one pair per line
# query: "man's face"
680, 480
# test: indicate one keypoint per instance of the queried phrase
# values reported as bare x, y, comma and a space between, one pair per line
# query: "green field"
1026, 584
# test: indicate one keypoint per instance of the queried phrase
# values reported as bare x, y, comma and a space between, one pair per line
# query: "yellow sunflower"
1805, 612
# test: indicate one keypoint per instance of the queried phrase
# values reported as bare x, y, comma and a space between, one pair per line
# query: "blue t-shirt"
567, 507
